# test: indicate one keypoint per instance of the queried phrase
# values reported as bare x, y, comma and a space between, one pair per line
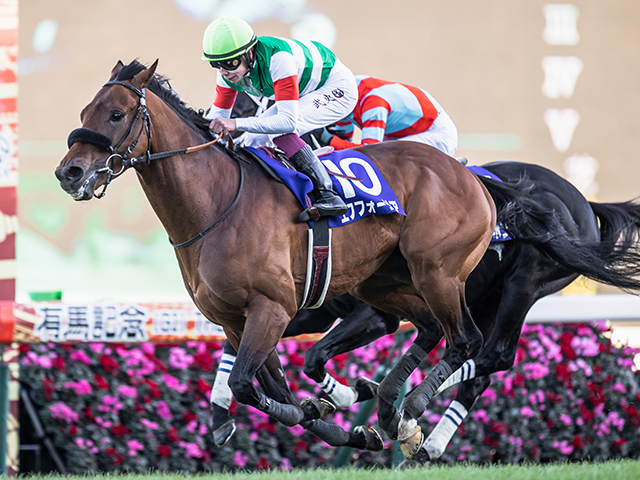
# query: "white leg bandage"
466, 372
444, 430
341, 395
221, 393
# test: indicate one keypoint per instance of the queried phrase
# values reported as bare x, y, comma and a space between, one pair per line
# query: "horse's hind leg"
446, 300
361, 326
402, 300
464, 340
437, 441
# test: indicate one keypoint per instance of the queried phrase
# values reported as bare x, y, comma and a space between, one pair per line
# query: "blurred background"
555, 84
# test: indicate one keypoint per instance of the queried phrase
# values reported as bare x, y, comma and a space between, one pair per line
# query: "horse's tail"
614, 260
519, 214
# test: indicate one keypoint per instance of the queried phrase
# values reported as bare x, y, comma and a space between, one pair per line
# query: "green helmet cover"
227, 37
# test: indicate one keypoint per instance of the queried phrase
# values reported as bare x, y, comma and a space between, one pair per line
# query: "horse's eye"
116, 116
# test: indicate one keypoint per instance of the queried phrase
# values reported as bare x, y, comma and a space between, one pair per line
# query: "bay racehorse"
501, 290
242, 252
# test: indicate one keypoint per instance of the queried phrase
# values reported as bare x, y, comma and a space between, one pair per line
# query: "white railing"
585, 308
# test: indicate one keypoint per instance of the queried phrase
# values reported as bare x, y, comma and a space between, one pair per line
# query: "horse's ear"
144, 77
116, 70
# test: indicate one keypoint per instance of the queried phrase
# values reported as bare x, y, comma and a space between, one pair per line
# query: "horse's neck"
181, 189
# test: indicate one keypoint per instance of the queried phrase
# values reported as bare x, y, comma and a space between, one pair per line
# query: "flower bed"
113, 408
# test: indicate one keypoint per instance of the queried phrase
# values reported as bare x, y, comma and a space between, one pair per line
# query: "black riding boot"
328, 203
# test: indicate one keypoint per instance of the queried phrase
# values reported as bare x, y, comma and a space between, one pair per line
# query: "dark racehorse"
510, 278
244, 255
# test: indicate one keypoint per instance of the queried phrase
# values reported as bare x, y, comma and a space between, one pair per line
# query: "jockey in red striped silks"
395, 111
310, 86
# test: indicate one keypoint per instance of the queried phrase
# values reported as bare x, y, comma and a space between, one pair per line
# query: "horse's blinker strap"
86, 135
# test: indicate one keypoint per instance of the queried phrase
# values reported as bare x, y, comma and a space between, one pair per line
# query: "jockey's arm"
286, 90
375, 112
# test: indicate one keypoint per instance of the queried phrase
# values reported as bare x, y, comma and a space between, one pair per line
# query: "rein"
102, 142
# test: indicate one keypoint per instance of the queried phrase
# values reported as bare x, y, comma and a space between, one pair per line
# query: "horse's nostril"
73, 173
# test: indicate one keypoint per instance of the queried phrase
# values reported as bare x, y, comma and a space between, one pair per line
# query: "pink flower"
80, 355
481, 415
191, 450
563, 447
490, 393
43, 361
619, 387
80, 388
240, 460
163, 410
64, 412
179, 359
148, 348
96, 347
566, 419
134, 446
174, 383
527, 412
149, 424
127, 391
285, 464
191, 426
535, 371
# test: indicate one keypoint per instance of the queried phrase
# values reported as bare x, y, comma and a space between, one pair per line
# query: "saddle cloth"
365, 192
499, 235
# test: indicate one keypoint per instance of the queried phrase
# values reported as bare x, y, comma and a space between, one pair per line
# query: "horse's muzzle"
70, 178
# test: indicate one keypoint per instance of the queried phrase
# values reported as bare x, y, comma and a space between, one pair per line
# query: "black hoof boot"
224, 432
315, 408
419, 460
372, 439
366, 389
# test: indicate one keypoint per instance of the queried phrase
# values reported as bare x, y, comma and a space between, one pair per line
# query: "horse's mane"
162, 88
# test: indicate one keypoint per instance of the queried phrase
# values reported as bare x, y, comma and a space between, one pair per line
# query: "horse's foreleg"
272, 381
265, 323
222, 424
362, 326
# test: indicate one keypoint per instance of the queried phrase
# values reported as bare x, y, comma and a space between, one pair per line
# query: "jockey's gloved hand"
325, 137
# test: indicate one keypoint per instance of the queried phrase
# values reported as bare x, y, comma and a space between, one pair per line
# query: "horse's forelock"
129, 71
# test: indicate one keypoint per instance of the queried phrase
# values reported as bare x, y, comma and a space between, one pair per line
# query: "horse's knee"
242, 389
314, 362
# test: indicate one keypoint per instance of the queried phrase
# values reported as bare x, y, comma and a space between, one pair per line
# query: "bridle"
102, 142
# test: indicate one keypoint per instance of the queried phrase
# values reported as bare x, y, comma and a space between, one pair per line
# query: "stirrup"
308, 214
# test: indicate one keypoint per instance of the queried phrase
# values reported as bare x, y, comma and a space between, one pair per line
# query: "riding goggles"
228, 65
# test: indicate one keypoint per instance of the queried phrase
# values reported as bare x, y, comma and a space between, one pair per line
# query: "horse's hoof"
224, 432
410, 436
314, 408
419, 460
373, 440
366, 389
